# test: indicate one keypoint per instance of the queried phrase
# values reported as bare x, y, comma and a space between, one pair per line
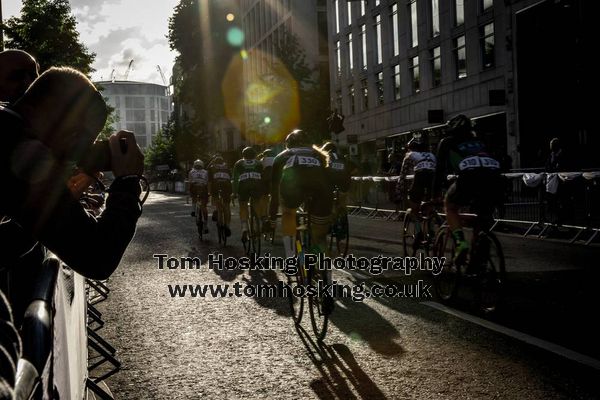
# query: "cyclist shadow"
267, 277
338, 367
363, 323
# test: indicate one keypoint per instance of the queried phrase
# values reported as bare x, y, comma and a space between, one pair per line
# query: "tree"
47, 30
162, 150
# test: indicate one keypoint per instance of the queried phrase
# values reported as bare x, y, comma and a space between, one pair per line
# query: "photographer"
49, 128
17, 70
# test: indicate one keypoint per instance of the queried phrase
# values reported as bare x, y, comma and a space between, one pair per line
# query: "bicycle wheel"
199, 222
299, 279
221, 226
254, 233
408, 235
320, 307
446, 283
492, 273
340, 234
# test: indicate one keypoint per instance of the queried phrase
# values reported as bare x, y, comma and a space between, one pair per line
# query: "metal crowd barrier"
539, 202
59, 332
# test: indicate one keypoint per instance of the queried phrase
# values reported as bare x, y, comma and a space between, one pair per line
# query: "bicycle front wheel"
339, 236
492, 272
446, 283
199, 222
408, 235
320, 307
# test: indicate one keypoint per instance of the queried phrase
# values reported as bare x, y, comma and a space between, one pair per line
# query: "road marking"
523, 337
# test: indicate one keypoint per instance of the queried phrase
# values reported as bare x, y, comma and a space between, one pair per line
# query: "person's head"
217, 160
459, 126
417, 144
18, 69
555, 145
64, 110
329, 147
268, 153
198, 164
297, 138
249, 153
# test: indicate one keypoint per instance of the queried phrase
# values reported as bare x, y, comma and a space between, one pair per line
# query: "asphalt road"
243, 347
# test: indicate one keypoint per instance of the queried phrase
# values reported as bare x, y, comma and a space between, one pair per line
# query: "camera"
98, 157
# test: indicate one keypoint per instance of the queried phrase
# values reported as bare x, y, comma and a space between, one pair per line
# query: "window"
395, 38
396, 82
141, 140
414, 72
485, 4
379, 87
338, 58
414, 27
460, 54
362, 8
351, 98
487, 45
135, 102
364, 88
349, 13
436, 66
135, 115
378, 46
363, 42
376, 3
336, 5
435, 18
350, 55
459, 12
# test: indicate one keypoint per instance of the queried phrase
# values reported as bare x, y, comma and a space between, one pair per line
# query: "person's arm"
277, 170
93, 247
440, 177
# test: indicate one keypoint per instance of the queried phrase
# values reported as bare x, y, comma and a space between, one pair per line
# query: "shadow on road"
267, 277
363, 323
340, 372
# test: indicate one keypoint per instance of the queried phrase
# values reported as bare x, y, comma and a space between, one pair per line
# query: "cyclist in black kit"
299, 174
479, 182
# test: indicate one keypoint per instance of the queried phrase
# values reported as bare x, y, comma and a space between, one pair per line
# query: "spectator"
18, 70
49, 127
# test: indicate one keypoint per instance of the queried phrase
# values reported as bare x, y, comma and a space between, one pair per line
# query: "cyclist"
198, 178
219, 179
339, 175
266, 158
420, 163
247, 182
478, 183
298, 174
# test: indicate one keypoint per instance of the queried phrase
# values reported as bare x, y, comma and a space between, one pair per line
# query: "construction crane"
163, 79
129, 68
112, 75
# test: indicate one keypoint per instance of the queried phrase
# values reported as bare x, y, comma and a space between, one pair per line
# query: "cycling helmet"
460, 125
249, 153
268, 153
297, 138
217, 160
416, 144
329, 147
198, 164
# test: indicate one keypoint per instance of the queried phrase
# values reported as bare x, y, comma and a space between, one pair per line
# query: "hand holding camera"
119, 154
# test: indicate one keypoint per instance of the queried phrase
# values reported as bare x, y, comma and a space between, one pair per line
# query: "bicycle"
412, 241
221, 233
318, 307
199, 217
252, 241
339, 232
484, 266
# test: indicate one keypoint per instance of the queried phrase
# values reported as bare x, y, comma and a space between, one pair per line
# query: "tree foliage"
162, 149
47, 30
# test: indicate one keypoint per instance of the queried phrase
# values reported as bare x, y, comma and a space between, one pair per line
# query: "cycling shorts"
482, 189
421, 186
199, 191
251, 188
298, 184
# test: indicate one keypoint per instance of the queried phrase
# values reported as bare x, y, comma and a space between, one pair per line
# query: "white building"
143, 108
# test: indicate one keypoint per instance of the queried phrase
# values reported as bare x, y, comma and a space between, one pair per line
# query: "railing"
537, 201
59, 324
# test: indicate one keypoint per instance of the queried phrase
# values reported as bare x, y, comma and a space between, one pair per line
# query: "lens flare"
235, 36
230, 17
265, 106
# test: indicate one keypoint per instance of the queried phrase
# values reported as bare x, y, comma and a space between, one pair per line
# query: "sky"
119, 31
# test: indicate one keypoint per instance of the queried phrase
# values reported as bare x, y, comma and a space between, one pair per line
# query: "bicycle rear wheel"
492, 273
446, 283
408, 235
255, 232
320, 307
199, 222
